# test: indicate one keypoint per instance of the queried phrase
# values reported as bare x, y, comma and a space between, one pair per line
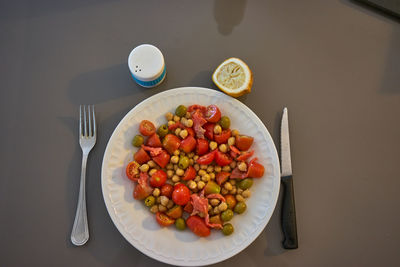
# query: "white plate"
138, 225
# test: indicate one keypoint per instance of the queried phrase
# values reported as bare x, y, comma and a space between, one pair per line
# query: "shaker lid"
146, 62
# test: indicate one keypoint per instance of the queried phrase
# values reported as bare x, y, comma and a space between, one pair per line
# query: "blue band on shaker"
151, 83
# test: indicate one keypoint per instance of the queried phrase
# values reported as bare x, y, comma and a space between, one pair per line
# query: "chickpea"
156, 192
170, 166
180, 172
191, 162
232, 181
195, 157
178, 131
177, 118
213, 145
242, 166
164, 200
246, 193
212, 176
239, 198
152, 171
217, 168
231, 141
223, 148
170, 173
197, 179
205, 178
217, 129
175, 167
216, 210
183, 120
190, 155
214, 202
235, 132
228, 186
176, 152
171, 123
189, 123
192, 185
202, 172
233, 191
222, 207
184, 134
175, 178
226, 168
224, 191
174, 159
203, 167
200, 185
169, 116
210, 168
144, 167
232, 164
170, 204
158, 200
188, 115
151, 164
209, 207
162, 208
239, 191
196, 167
154, 209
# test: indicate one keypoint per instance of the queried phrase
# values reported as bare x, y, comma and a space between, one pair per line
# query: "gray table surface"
334, 64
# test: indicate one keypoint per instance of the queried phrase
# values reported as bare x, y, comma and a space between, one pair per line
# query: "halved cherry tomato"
237, 174
132, 171
190, 131
244, 142
190, 174
163, 219
230, 201
209, 127
213, 114
141, 192
207, 158
188, 144
141, 156
194, 107
181, 194
188, 207
158, 179
175, 125
175, 212
221, 177
171, 143
202, 146
255, 169
153, 141
245, 156
222, 159
147, 128
166, 190
162, 159
198, 226
223, 137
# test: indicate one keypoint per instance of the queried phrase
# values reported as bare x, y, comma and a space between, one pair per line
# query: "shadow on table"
391, 73
228, 14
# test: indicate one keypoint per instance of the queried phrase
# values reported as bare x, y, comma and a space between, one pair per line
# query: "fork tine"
90, 121
94, 122
80, 120
85, 120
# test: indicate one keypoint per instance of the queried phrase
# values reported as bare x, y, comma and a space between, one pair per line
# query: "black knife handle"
289, 214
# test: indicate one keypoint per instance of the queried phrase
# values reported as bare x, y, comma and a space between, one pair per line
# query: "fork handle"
80, 230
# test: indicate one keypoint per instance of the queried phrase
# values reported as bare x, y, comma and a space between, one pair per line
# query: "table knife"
289, 227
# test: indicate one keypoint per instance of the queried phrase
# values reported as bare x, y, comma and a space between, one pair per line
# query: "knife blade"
289, 226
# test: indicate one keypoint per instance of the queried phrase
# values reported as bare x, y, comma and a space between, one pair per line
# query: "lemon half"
233, 77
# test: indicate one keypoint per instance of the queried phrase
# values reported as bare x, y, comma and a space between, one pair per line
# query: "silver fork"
87, 140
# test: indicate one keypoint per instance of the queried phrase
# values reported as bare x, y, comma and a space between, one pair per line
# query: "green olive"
225, 122
212, 188
227, 229
180, 224
240, 207
149, 201
180, 111
137, 140
227, 215
245, 183
183, 162
162, 130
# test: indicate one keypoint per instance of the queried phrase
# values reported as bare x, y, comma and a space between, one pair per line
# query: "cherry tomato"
207, 158
141, 156
245, 156
162, 159
213, 114
202, 146
243, 142
188, 207
140, 192
166, 190
190, 174
171, 143
223, 137
147, 128
158, 179
190, 131
153, 141
209, 133
181, 194
255, 169
221, 177
230, 201
163, 219
198, 226
222, 159
175, 212
194, 107
132, 170
188, 144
